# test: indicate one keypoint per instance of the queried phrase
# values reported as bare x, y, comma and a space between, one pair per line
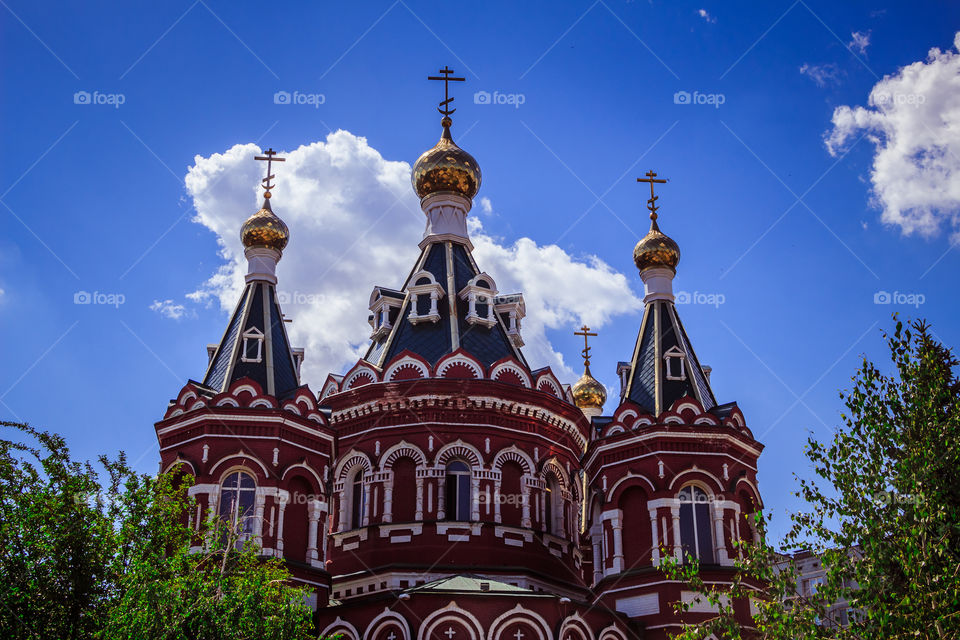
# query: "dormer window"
512, 310
675, 362
480, 294
425, 293
252, 345
383, 302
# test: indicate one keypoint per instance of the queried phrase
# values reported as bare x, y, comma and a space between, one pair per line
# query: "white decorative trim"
340, 623
239, 454
451, 612
384, 618
403, 363
519, 614
510, 366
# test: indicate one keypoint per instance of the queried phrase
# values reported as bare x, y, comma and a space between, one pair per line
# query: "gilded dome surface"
588, 393
265, 229
656, 249
446, 167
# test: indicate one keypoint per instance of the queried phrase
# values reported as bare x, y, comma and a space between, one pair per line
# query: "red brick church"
442, 488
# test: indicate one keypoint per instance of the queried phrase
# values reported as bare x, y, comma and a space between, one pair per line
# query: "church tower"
254, 439
672, 472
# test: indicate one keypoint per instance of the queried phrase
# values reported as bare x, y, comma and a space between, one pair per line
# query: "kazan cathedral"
442, 488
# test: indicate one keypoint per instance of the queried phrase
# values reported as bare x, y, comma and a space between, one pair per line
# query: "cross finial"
585, 332
269, 156
447, 79
651, 203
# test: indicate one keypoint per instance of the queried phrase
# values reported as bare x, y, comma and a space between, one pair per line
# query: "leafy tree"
118, 559
884, 515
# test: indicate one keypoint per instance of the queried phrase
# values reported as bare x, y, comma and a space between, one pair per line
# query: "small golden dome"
446, 167
656, 249
265, 229
588, 393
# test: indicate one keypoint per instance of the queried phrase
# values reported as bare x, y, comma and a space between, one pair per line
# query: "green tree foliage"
81, 558
883, 514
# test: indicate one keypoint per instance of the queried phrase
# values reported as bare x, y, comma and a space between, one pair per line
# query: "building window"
238, 493
695, 535
553, 508
358, 500
458, 491
674, 361
252, 345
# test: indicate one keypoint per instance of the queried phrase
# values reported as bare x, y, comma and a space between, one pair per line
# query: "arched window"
458, 491
511, 494
404, 489
695, 524
358, 500
553, 513
238, 493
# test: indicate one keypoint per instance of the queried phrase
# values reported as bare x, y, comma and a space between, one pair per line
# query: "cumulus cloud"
912, 118
822, 74
485, 205
355, 223
169, 309
706, 16
860, 41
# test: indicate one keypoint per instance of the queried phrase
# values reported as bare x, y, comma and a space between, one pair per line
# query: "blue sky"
782, 240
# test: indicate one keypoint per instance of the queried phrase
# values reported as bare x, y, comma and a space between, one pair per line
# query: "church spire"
588, 393
255, 344
664, 366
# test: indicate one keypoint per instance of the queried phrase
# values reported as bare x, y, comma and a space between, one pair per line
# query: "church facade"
442, 488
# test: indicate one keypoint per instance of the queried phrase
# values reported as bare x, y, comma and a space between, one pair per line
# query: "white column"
283, 507
366, 503
313, 515
441, 497
258, 518
616, 523
719, 543
419, 514
525, 521
677, 549
342, 502
655, 553
388, 498
475, 494
596, 538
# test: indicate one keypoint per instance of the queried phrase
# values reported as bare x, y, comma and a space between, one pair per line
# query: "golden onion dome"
265, 229
656, 249
588, 393
446, 167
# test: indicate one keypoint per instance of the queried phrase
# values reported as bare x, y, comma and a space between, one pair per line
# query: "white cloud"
355, 223
913, 121
706, 16
169, 309
860, 41
485, 205
822, 74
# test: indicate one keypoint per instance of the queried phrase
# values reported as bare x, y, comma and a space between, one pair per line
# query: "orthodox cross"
585, 332
651, 203
447, 79
268, 155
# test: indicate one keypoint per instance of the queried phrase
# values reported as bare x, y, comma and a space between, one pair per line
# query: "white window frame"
253, 333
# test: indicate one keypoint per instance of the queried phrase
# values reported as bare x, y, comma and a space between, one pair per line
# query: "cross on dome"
585, 332
269, 156
447, 79
651, 203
